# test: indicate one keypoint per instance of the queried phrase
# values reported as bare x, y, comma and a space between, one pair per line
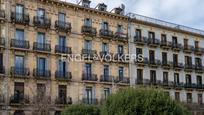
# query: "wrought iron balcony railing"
41, 74
178, 66
63, 26
63, 49
89, 30
87, 53
140, 40
23, 44
177, 46
198, 50
153, 42
120, 36
107, 78
60, 75
165, 44
20, 72
124, 80
188, 48
20, 18
90, 101
188, 67
41, 47
19, 99
106, 33
89, 77
42, 22
63, 101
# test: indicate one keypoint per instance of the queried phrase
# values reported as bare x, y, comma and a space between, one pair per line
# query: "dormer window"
102, 7
86, 3
88, 22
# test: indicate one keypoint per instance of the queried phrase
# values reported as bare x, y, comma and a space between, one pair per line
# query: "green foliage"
81, 110
142, 101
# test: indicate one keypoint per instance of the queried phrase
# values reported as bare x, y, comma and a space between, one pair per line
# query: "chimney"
86, 3
102, 7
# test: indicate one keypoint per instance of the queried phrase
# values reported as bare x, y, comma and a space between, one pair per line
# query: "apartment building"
37, 36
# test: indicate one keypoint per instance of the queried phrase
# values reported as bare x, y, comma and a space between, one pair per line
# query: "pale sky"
184, 12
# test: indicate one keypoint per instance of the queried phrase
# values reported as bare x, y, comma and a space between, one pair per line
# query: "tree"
81, 109
142, 101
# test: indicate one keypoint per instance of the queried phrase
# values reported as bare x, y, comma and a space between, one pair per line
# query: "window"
88, 22
121, 73
120, 29
139, 76
61, 18
152, 76
138, 51
106, 72
62, 67
200, 98
198, 62
88, 44
151, 56
62, 94
196, 44
189, 98
177, 96
41, 38
19, 65
175, 59
105, 48
188, 79
88, 70
41, 15
188, 60
199, 80
174, 40
164, 58
138, 33
186, 43
41, 91
89, 95
151, 35
106, 93
19, 34
62, 41
163, 38
165, 77
105, 26
176, 78
18, 91
19, 11
41, 65
120, 49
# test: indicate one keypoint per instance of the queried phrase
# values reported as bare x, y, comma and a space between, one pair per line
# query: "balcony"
154, 63
89, 54
200, 86
2, 42
152, 42
2, 15
140, 40
2, 70
166, 65
21, 44
120, 36
63, 76
106, 34
165, 44
198, 51
41, 74
139, 81
177, 66
19, 99
63, 26
20, 72
199, 69
20, 18
90, 101
188, 49
123, 80
179, 85
2, 100
89, 77
63, 49
63, 101
188, 67
106, 78
190, 85
42, 22
88, 30
141, 62
41, 47
176, 46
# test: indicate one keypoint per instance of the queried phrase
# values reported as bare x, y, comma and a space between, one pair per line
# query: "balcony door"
106, 72
62, 41
105, 25
62, 67
152, 76
88, 44
120, 50
19, 64
19, 12
121, 73
41, 66
188, 79
61, 17
41, 38
151, 36
88, 71
164, 57
176, 78
175, 59
62, 93
120, 29
88, 22
89, 95
151, 56
105, 48
41, 15
174, 40
19, 34
18, 91
1, 63
106, 93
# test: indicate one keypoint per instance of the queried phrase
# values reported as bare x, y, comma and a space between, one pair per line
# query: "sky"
184, 12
